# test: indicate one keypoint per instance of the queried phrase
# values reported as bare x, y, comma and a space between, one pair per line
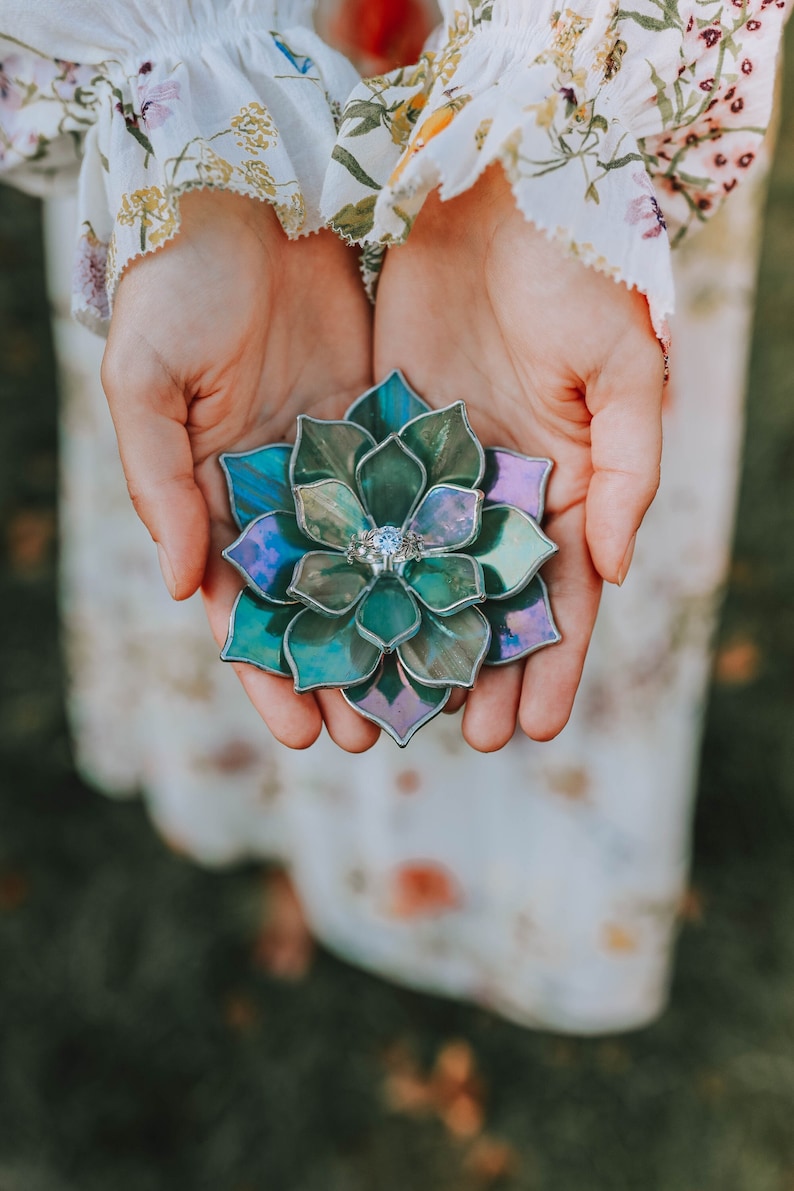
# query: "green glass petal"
447, 582
256, 634
385, 409
328, 652
328, 582
390, 479
447, 650
447, 446
330, 513
389, 615
448, 517
395, 702
511, 548
258, 481
328, 450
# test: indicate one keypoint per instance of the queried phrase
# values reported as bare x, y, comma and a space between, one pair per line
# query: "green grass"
142, 1049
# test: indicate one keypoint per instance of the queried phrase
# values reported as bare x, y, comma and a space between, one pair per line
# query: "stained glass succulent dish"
388, 555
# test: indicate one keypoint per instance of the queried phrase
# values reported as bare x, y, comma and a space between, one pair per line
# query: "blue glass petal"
446, 582
389, 615
390, 479
266, 552
395, 703
518, 480
330, 513
258, 482
385, 409
328, 582
325, 651
521, 624
510, 549
327, 451
448, 517
256, 634
447, 650
447, 446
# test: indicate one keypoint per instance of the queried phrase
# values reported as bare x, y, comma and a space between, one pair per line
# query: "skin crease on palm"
219, 340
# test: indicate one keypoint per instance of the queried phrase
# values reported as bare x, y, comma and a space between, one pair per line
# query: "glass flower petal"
266, 552
446, 582
448, 517
395, 702
510, 549
518, 480
328, 582
256, 634
324, 651
447, 650
389, 614
330, 513
258, 482
385, 409
446, 444
390, 480
521, 624
328, 450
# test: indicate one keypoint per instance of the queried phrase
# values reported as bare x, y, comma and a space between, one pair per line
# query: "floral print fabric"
166, 98
620, 127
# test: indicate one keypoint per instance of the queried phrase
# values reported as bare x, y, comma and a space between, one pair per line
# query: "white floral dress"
545, 880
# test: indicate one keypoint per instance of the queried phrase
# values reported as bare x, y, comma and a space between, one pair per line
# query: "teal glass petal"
258, 482
510, 549
392, 701
328, 582
518, 480
266, 552
389, 615
328, 450
256, 634
446, 582
385, 409
448, 517
447, 650
447, 446
330, 513
521, 624
328, 652
390, 479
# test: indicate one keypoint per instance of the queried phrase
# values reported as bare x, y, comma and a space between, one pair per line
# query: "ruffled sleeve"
620, 127
148, 101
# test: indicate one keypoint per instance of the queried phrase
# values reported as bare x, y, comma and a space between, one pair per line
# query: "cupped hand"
552, 359
217, 342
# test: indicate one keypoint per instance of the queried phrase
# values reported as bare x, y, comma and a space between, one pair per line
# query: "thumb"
149, 412
625, 402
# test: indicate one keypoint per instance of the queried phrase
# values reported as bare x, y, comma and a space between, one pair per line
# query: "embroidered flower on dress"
154, 110
88, 278
646, 208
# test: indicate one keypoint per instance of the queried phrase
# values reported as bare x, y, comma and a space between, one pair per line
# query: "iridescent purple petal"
513, 479
258, 482
385, 409
396, 702
266, 552
448, 517
521, 624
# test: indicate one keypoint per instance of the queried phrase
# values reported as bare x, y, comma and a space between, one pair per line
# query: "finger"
346, 727
294, 719
149, 413
455, 701
489, 720
626, 445
551, 676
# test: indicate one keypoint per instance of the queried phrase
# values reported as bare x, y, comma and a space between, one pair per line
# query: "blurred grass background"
142, 1046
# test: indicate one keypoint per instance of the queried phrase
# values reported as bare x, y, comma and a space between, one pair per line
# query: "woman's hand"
552, 359
217, 342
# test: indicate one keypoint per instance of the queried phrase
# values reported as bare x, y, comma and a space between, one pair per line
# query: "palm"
228, 335
479, 305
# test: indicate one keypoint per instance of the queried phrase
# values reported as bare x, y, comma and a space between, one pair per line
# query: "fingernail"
168, 574
627, 557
